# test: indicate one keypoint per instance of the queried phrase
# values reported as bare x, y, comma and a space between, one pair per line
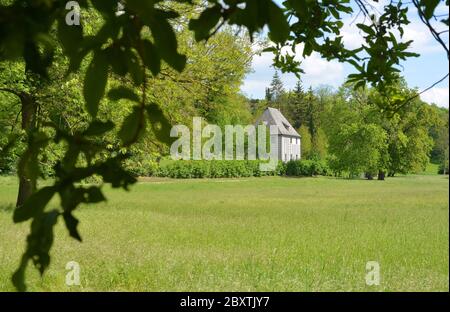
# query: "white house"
288, 147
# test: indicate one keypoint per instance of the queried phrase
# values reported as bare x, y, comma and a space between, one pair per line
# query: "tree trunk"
27, 185
381, 175
26, 188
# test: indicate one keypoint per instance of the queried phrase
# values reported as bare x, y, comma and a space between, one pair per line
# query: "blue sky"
419, 72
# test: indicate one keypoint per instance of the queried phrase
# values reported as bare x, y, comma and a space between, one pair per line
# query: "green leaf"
269, 49
159, 123
366, 29
411, 54
105, 6
356, 65
70, 36
334, 12
206, 22
360, 84
430, 7
165, 41
123, 93
307, 49
76, 59
254, 16
95, 82
118, 60
131, 126
134, 67
278, 24
343, 8
151, 58
34, 205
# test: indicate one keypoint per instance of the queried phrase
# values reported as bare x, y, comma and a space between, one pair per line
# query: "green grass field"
256, 234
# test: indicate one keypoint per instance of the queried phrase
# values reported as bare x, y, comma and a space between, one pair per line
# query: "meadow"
250, 234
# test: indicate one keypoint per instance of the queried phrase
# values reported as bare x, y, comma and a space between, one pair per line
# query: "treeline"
347, 130
350, 130
344, 133
208, 87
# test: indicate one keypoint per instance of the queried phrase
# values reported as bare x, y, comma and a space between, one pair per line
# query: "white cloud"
254, 87
438, 96
423, 41
351, 36
318, 71
322, 71
262, 61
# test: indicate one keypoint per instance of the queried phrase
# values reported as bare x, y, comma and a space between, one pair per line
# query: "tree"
24, 89
306, 144
356, 149
276, 89
295, 110
269, 95
442, 146
439, 133
35, 100
355, 146
409, 143
406, 144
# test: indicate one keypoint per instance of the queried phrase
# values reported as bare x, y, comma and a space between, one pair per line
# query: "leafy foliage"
307, 168
238, 168
140, 44
364, 139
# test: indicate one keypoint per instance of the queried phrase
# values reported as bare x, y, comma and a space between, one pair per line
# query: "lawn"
255, 234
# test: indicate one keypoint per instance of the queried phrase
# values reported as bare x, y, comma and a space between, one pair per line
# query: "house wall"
289, 149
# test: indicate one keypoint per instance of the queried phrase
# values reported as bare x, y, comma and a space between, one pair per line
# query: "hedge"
307, 168
195, 169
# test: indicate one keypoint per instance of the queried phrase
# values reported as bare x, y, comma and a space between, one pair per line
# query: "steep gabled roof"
273, 117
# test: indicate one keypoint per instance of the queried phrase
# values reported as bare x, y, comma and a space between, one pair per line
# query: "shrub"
142, 167
306, 168
443, 168
187, 169
196, 169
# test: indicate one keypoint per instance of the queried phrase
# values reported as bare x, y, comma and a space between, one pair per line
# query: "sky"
420, 72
